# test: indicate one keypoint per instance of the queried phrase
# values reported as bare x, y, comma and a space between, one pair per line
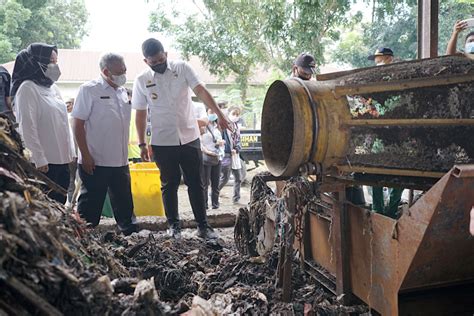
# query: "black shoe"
215, 207
174, 232
130, 230
207, 233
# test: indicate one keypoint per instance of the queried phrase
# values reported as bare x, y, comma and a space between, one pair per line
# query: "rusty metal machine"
408, 125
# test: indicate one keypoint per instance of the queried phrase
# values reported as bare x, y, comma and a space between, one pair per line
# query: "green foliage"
59, 22
397, 29
234, 37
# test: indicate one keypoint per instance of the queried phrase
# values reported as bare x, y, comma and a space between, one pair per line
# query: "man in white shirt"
101, 127
165, 88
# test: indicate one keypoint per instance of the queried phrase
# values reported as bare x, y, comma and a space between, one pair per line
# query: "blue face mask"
469, 48
212, 117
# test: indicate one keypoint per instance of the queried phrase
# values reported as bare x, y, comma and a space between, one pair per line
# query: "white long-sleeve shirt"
43, 124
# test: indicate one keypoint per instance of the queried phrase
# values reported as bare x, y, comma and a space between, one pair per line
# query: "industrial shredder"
408, 125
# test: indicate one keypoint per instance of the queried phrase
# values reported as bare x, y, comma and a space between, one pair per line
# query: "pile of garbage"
193, 277
51, 263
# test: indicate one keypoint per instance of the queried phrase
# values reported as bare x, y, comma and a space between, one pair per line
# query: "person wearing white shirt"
212, 147
41, 113
101, 128
165, 88
73, 165
200, 114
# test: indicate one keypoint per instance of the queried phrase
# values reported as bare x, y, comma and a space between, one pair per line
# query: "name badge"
105, 97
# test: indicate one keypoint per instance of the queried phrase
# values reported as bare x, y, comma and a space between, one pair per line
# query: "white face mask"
52, 72
233, 118
380, 63
119, 80
469, 48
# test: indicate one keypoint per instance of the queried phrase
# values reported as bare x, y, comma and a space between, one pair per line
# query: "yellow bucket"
146, 189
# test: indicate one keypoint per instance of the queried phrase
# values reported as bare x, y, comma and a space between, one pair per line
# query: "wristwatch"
142, 145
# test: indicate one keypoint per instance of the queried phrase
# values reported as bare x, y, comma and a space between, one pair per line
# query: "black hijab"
27, 66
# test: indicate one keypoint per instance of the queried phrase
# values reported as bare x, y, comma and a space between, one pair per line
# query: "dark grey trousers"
171, 160
94, 188
225, 175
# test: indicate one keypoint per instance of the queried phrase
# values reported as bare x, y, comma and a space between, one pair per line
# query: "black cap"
381, 51
307, 62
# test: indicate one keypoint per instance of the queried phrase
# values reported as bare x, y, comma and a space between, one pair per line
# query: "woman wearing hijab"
41, 113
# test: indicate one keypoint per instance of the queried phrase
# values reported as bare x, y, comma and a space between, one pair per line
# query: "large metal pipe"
423, 124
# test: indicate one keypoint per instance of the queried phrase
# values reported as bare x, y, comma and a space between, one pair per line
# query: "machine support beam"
428, 11
342, 247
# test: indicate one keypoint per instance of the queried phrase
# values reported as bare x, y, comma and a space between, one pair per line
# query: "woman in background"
212, 147
231, 161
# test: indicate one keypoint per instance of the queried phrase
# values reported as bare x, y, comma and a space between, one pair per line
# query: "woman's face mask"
234, 118
212, 117
52, 71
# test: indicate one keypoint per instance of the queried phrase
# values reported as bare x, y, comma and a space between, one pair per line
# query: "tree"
234, 37
398, 31
224, 36
59, 22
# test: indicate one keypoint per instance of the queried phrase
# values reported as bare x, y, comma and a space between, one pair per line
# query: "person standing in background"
231, 161
384, 56
73, 165
212, 146
460, 26
5, 100
42, 114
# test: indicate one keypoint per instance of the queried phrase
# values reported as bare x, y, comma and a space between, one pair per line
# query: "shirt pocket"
103, 108
178, 85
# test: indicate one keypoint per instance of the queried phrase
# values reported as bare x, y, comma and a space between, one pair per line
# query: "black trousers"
171, 160
115, 180
60, 175
211, 176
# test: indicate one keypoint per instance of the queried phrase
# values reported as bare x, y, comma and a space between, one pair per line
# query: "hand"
43, 169
210, 153
224, 123
144, 153
233, 151
459, 26
88, 164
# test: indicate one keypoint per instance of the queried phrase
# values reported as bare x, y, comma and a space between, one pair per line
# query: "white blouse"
43, 124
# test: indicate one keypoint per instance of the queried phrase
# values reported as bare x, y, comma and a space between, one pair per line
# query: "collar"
103, 83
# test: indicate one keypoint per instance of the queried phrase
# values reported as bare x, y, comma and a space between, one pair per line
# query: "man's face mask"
52, 71
160, 68
119, 80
